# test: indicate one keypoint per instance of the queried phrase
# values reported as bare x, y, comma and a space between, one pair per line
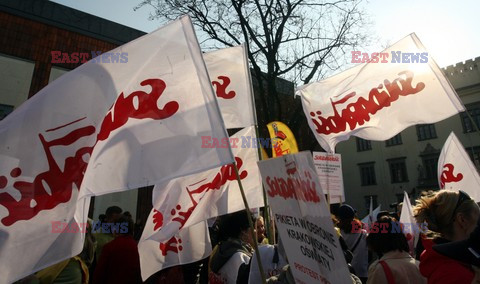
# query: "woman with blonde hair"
450, 216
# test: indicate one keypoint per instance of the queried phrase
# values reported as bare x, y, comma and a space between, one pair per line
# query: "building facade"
408, 161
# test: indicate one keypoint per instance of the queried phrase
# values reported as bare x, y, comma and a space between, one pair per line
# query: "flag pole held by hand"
252, 229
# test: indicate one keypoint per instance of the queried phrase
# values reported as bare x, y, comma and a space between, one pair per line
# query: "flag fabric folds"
186, 246
185, 201
377, 100
101, 128
456, 170
228, 70
182, 206
283, 140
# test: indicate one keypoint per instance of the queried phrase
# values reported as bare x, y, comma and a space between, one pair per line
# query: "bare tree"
298, 40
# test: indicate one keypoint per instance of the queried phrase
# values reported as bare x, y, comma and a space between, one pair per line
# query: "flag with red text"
186, 246
230, 75
185, 201
101, 128
456, 170
379, 98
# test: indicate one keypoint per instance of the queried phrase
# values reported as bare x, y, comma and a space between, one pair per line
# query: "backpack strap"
356, 242
388, 272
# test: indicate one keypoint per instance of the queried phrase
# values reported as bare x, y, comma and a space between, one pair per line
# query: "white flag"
410, 227
188, 245
230, 75
375, 101
372, 215
456, 170
185, 201
100, 128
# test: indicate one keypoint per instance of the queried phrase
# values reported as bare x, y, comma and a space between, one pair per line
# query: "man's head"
113, 213
123, 226
260, 226
346, 212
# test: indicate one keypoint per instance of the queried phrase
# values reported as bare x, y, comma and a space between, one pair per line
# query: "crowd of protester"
448, 250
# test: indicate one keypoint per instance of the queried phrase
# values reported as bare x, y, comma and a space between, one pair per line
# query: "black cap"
467, 251
346, 212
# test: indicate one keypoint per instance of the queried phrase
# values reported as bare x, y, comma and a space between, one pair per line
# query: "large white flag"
230, 75
185, 201
456, 170
186, 246
377, 100
101, 128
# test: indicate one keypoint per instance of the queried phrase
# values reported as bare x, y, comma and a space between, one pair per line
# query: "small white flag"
456, 170
409, 226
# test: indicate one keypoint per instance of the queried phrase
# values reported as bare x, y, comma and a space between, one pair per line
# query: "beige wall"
465, 78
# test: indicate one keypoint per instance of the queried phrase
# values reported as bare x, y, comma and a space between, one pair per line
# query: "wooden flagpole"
252, 229
266, 211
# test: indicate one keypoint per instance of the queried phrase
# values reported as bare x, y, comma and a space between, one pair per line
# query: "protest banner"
330, 175
303, 220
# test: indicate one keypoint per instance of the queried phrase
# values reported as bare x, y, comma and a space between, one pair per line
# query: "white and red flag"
185, 201
186, 246
375, 101
230, 75
409, 225
372, 214
456, 170
102, 128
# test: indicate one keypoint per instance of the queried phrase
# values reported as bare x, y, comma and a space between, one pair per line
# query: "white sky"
448, 29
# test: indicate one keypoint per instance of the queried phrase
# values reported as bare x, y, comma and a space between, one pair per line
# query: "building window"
367, 202
474, 110
5, 110
398, 170
395, 140
363, 145
367, 173
430, 164
426, 131
474, 153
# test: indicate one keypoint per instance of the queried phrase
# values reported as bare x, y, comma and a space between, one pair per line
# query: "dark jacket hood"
225, 250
